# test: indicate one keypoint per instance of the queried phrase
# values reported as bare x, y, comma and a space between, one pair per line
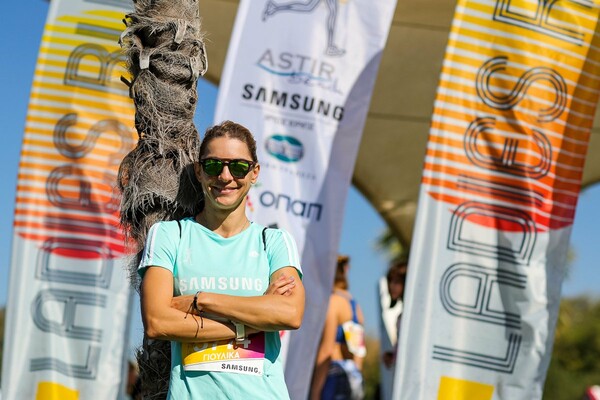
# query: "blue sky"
361, 223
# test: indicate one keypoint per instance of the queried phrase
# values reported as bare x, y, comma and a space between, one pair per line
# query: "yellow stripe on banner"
459, 389
55, 391
96, 103
37, 85
112, 23
70, 38
108, 14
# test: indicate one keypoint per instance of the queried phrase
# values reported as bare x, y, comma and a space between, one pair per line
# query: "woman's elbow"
294, 324
295, 319
152, 328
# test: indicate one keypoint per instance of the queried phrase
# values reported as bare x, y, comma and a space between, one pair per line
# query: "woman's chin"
226, 202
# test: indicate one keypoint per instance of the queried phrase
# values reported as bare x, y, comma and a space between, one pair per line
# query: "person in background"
396, 278
337, 373
391, 293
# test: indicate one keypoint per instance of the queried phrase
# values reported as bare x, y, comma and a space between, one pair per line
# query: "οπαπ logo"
285, 148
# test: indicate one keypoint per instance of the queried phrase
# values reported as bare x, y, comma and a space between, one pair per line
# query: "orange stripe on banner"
126, 105
109, 97
496, 161
74, 138
82, 125
43, 79
98, 196
117, 249
569, 153
541, 95
475, 107
550, 193
82, 163
66, 225
86, 161
82, 114
485, 191
577, 148
107, 219
543, 89
543, 43
92, 70
562, 183
542, 222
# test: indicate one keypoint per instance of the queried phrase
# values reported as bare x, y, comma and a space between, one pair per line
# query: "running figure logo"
273, 8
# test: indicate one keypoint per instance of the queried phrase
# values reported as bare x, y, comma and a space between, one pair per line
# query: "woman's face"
225, 191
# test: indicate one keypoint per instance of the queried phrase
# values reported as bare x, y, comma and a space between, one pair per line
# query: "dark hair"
397, 271
231, 130
340, 279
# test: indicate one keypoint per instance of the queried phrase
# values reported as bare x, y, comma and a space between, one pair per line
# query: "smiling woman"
203, 281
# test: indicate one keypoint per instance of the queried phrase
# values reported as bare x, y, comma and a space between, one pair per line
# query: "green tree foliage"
575, 363
389, 244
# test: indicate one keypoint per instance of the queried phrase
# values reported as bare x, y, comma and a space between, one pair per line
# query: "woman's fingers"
282, 285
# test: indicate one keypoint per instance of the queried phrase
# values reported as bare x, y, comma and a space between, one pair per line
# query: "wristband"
195, 302
240, 332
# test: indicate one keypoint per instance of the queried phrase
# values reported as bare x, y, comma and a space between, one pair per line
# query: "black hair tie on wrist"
194, 307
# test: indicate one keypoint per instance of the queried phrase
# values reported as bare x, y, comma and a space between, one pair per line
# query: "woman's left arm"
270, 312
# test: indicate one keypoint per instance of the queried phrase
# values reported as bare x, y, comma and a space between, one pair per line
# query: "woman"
339, 359
396, 278
220, 287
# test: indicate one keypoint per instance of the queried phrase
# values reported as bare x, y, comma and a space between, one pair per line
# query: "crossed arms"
165, 317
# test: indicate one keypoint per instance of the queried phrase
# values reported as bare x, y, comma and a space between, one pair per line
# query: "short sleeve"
161, 247
282, 251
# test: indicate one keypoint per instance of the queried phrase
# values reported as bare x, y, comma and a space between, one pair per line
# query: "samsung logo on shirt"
221, 283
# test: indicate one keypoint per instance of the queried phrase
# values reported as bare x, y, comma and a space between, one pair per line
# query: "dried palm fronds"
166, 56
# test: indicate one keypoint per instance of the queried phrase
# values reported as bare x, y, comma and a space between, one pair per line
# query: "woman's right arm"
163, 322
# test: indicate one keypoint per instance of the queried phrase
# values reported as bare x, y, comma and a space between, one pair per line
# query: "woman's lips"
225, 190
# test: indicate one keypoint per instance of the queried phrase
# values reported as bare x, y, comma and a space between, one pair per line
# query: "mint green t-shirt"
240, 265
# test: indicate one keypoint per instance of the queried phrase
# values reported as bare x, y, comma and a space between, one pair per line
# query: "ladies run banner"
68, 297
502, 174
300, 75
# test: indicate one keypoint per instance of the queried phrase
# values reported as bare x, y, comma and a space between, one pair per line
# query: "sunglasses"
237, 168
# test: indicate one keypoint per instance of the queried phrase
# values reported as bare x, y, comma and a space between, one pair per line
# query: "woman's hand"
283, 285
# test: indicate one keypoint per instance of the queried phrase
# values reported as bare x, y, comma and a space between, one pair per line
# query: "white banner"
300, 75
68, 300
502, 174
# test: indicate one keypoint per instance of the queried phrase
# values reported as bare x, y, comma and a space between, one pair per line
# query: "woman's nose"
225, 174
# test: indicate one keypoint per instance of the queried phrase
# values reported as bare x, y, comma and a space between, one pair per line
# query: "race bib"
245, 357
355, 338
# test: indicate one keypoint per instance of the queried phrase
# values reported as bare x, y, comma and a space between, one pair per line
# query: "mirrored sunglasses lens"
239, 169
212, 167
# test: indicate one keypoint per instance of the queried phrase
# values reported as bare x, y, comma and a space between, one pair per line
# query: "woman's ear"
255, 172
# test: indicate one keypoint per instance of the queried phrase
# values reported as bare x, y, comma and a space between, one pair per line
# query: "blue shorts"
344, 381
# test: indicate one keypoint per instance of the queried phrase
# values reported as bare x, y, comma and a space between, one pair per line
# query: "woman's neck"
226, 224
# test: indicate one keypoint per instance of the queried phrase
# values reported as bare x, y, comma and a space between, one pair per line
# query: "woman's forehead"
226, 147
